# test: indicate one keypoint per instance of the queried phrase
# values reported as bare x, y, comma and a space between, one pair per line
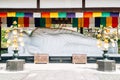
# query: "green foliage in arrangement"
119, 46
3, 38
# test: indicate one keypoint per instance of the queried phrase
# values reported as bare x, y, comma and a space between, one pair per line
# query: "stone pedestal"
106, 65
15, 65
41, 58
79, 58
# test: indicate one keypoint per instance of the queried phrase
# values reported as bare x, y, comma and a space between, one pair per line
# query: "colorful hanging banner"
92, 22
19, 14
62, 14
3, 14
80, 22
31, 20
103, 21
114, 22
48, 22
97, 22
15, 19
78, 14
105, 14
37, 22
42, 22
36, 15
53, 14
86, 22
9, 21
88, 14
108, 21
97, 14
28, 14
114, 14
26, 21
70, 15
75, 22
11, 14
4, 20
45, 14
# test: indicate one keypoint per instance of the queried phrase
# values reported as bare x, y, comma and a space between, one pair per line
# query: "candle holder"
105, 55
15, 54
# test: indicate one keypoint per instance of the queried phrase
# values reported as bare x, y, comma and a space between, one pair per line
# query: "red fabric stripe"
26, 21
0, 22
3, 14
114, 22
86, 22
88, 14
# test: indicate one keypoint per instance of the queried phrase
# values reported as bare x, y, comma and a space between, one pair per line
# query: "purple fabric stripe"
71, 15
114, 14
28, 14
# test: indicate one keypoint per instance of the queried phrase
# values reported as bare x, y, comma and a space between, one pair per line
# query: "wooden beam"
38, 4
83, 4
112, 9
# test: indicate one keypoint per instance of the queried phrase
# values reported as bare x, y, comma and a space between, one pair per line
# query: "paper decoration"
88, 14
3, 14
71, 15
19, 14
11, 14
62, 14
78, 14
45, 14
97, 14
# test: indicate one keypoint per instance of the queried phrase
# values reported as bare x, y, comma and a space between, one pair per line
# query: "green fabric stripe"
42, 22
105, 14
103, 21
62, 15
75, 22
15, 19
19, 14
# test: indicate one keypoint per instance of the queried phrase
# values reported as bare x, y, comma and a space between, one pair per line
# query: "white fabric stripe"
31, 20
4, 20
36, 15
78, 14
92, 22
